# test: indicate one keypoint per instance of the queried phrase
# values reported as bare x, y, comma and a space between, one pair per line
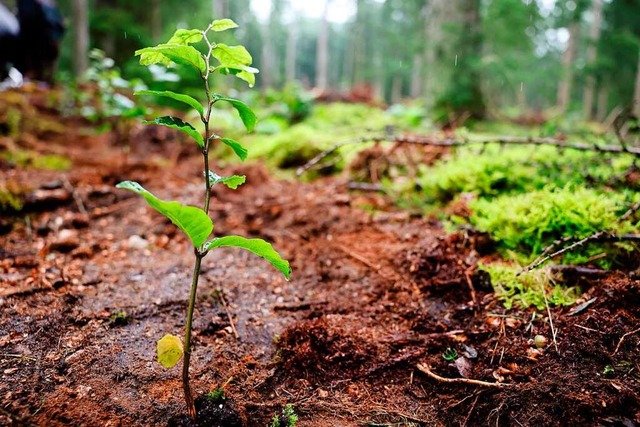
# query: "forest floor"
91, 278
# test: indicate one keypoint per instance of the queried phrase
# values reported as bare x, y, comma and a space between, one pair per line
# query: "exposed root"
427, 370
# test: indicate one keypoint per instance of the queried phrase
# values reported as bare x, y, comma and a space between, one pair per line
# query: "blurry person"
41, 30
9, 39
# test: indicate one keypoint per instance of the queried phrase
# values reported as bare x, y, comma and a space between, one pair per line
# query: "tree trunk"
322, 60
156, 21
359, 44
81, 39
636, 96
416, 76
292, 54
220, 9
592, 52
568, 59
396, 89
603, 102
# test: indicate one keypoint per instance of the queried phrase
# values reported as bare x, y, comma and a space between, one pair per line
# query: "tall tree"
292, 52
636, 97
220, 9
156, 21
81, 36
460, 20
592, 51
568, 60
322, 52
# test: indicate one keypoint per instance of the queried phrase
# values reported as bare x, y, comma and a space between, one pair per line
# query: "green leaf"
176, 123
223, 25
180, 54
247, 115
170, 351
231, 56
237, 148
233, 181
193, 221
186, 99
242, 72
247, 76
257, 246
185, 37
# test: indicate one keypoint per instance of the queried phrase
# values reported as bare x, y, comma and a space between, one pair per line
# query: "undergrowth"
500, 170
523, 225
288, 147
526, 198
528, 289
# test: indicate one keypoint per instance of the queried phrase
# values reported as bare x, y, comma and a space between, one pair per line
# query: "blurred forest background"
482, 58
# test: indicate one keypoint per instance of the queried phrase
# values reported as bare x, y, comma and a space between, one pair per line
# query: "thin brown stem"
188, 396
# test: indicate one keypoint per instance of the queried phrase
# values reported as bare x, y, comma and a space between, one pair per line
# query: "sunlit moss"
527, 223
527, 289
30, 159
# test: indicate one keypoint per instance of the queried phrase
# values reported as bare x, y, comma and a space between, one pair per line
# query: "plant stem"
188, 396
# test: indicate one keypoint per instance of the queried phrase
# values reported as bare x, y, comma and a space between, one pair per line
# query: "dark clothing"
9, 39
34, 49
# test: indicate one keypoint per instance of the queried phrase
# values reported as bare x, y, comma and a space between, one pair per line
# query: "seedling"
193, 221
287, 418
450, 355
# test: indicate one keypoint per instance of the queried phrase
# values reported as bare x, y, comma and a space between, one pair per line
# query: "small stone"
540, 341
137, 242
65, 241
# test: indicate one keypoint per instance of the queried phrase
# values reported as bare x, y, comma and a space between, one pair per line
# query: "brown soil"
373, 295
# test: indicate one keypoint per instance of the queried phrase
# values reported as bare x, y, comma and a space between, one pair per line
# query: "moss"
528, 289
512, 170
527, 223
30, 159
9, 201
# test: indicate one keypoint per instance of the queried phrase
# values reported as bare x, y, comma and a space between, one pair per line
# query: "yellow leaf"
170, 351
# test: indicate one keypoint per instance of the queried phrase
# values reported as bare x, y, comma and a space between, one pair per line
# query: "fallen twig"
427, 370
622, 339
452, 142
229, 316
600, 236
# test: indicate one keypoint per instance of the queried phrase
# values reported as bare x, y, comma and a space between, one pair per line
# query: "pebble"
65, 241
137, 242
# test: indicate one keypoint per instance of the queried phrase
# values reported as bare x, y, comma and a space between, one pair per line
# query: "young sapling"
195, 222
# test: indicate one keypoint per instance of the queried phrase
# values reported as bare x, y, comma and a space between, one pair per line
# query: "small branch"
76, 197
317, 159
600, 236
365, 186
229, 316
451, 142
427, 370
622, 339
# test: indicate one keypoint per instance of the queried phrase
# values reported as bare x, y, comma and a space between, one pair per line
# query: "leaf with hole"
248, 117
167, 53
194, 222
176, 123
223, 25
233, 181
256, 246
170, 350
185, 99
